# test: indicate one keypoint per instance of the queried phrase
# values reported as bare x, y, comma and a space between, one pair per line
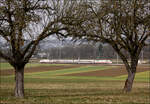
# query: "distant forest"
83, 51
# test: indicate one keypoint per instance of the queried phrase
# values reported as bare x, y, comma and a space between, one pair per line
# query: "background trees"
53, 48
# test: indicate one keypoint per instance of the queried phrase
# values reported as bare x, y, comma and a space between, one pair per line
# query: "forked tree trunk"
129, 82
19, 79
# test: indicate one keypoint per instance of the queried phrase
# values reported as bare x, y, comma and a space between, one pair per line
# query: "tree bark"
129, 82
131, 69
19, 78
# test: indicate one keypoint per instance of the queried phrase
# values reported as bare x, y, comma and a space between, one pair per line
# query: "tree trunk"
131, 69
19, 78
129, 82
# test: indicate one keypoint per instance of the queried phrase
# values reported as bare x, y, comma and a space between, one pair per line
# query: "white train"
77, 61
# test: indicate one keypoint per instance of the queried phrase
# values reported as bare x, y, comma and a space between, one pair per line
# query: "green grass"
4, 66
102, 92
48, 74
52, 87
142, 76
60, 74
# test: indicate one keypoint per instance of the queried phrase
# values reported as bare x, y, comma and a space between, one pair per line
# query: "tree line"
83, 51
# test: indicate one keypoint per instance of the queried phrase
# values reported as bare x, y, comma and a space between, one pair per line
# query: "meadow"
5, 66
64, 86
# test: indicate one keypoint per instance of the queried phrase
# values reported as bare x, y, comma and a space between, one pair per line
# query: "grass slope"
142, 76
60, 75
4, 66
48, 74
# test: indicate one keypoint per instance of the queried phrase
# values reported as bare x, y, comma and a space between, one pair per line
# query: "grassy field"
4, 66
142, 76
55, 87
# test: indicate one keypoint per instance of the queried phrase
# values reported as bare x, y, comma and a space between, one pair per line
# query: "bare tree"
23, 24
124, 24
